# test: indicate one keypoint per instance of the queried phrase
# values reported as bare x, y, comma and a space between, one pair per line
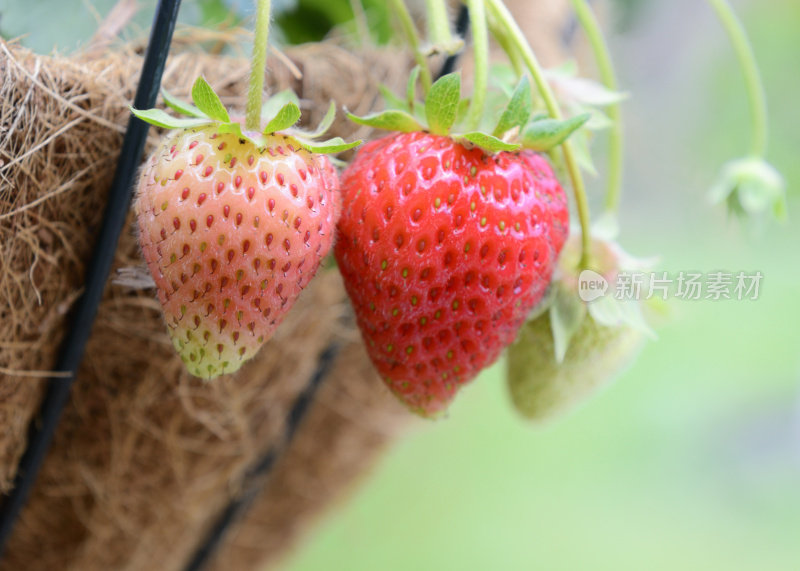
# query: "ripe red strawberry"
444, 250
232, 232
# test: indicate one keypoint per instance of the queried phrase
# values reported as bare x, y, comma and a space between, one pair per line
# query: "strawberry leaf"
284, 118
518, 110
549, 133
232, 127
751, 187
441, 104
540, 116
586, 91
208, 101
326, 122
276, 102
580, 148
236, 128
489, 143
463, 108
334, 145
392, 100
503, 77
181, 106
391, 120
159, 118
611, 312
258, 139
566, 315
599, 121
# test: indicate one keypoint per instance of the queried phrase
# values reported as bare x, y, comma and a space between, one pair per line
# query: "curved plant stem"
438, 23
362, 26
413, 40
747, 61
517, 39
594, 34
505, 45
258, 66
480, 41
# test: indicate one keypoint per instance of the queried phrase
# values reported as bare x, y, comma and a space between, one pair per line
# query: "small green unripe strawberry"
572, 347
541, 387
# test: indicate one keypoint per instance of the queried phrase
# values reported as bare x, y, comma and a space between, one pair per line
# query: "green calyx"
569, 307
444, 112
280, 114
751, 187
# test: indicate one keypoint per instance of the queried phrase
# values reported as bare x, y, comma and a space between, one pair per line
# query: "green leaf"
285, 118
599, 121
502, 76
549, 133
611, 312
566, 315
583, 155
257, 139
334, 145
181, 106
411, 87
232, 127
441, 105
159, 118
489, 143
392, 100
276, 102
418, 112
391, 120
518, 110
586, 91
208, 101
540, 116
463, 109
751, 187
326, 122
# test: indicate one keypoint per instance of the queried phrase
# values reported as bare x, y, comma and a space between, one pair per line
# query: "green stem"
438, 23
518, 40
594, 34
480, 41
747, 61
410, 30
362, 26
258, 66
508, 49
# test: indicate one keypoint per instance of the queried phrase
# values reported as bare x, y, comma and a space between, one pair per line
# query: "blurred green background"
691, 460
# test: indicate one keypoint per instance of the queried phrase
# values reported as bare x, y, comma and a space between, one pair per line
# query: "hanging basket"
149, 466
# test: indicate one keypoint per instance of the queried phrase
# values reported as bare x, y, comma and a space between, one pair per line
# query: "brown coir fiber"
146, 457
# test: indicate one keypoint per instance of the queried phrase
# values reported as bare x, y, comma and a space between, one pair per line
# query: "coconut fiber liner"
146, 458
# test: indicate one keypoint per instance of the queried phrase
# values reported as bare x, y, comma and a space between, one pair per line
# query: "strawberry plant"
570, 346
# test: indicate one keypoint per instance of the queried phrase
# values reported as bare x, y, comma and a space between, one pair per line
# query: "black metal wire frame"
42, 429
255, 479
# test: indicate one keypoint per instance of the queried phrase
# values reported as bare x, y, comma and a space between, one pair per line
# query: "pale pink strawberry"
232, 233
